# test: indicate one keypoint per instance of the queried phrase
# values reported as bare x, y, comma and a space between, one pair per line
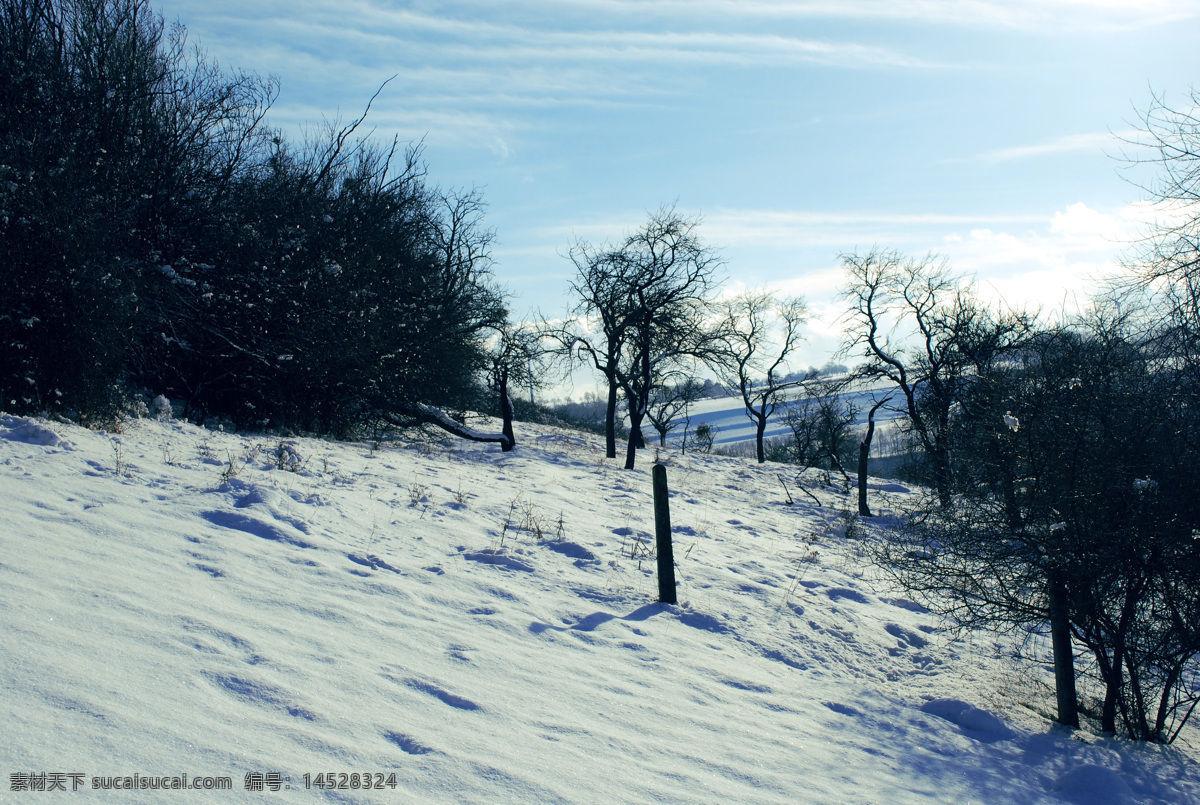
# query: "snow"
483, 625
728, 415
1094, 785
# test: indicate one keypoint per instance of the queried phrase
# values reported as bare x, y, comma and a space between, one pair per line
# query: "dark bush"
157, 236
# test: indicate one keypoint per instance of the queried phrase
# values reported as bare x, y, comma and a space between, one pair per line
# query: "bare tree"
600, 287
517, 358
670, 399
919, 325
647, 299
462, 246
819, 418
1167, 260
759, 332
669, 275
1080, 515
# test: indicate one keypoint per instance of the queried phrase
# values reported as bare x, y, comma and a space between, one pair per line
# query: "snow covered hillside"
465, 625
728, 416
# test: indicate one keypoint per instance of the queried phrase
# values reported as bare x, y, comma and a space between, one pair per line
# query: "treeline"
157, 236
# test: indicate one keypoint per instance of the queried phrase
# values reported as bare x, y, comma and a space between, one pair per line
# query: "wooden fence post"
662, 533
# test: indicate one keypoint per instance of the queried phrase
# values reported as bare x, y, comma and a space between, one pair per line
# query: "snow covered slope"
728, 416
474, 626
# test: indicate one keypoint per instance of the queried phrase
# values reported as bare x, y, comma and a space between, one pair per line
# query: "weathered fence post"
662, 533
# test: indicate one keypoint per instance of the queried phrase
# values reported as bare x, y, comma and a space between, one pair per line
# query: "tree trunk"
1008, 482
864, 455
1108, 716
1064, 658
1111, 672
760, 427
941, 476
1164, 703
639, 438
610, 420
506, 414
635, 430
1138, 727
637, 394
864, 452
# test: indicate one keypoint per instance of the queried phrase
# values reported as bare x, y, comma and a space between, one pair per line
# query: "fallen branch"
422, 414
785, 489
800, 486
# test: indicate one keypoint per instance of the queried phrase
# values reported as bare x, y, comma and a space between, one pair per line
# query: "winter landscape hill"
466, 625
726, 414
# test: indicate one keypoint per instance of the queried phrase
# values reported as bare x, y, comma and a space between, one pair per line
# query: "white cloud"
1037, 261
1062, 261
1035, 257
735, 227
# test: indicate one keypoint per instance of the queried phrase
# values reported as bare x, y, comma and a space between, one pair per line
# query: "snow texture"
484, 626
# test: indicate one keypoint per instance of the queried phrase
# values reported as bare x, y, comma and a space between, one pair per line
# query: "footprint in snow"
444, 696
904, 603
406, 743
700, 620
482, 611
906, 636
843, 709
741, 685
845, 593
572, 550
259, 694
237, 521
779, 656
232, 640
501, 560
372, 561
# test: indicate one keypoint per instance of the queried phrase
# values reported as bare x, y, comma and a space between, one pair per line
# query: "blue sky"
985, 131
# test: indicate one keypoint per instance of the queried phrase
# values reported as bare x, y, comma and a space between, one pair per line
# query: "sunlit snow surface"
395, 611
727, 416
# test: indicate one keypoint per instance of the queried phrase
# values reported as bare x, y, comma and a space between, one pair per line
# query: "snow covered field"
728, 416
481, 627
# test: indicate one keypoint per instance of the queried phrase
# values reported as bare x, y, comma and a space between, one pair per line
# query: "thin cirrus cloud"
505, 63
1027, 15
371, 31
402, 36
501, 71
1093, 141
